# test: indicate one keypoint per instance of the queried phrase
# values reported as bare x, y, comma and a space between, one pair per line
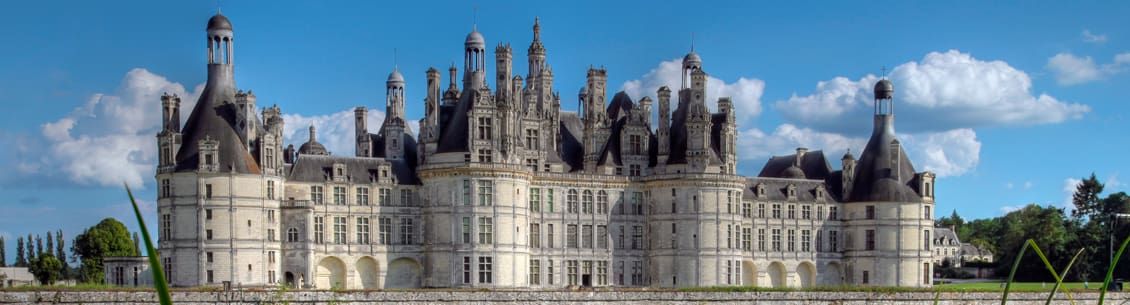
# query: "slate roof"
454, 128
214, 117
813, 164
942, 237
776, 189
315, 168
876, 179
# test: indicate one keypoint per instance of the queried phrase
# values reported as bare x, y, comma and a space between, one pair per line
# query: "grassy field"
997, 286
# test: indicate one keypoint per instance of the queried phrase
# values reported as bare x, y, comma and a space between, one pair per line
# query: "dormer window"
209, 154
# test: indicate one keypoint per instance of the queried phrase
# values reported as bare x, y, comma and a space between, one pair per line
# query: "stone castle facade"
503, 188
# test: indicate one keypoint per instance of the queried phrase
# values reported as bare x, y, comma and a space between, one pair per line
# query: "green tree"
59, 253
136, 245
30, 248
50, 244
1086, 198
1044, 225
21, 260
108, 238
953, 220
46, 268
3, 254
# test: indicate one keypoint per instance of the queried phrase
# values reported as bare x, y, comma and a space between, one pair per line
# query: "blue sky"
1006, 101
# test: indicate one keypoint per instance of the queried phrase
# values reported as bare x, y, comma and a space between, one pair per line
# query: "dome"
692, 57
312, 148
584, 91
884, 90
848, 155
792, 172
395, 77
219, 22
475, 40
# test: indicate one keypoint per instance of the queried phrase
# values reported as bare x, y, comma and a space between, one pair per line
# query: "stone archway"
749, 273
290, 282
777, 276
368, 273
832, 275
403, 273
806, 273
330, 274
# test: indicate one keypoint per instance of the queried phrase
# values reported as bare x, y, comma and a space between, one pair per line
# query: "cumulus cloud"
336, 131
745, 92
1069, 186
1092, 38
1072, 70
949, 153
109, 139
944, 91
754, 144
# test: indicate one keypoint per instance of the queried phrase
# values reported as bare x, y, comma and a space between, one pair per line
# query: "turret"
245, 116
536, 54
393, 128
451, 96
361, 132
503, 58
170, 112
474, 61
595, 133
664, 132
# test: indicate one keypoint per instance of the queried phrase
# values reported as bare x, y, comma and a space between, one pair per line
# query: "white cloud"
1028, 185
1009, 208
1072, 70
1093, 38
109, 139
335, 131
949, 153
1008, 185
1069, 186
745, 92
755, 144
943, 91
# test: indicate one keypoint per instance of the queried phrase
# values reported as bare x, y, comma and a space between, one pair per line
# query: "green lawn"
996, 286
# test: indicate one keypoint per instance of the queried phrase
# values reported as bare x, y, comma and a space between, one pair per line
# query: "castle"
504, 189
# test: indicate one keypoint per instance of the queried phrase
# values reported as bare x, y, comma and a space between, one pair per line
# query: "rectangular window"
486, 230
535, 235
834, 241
637, 237
776, 239
832, 213
270, 189
806, 212
486, 192
549, 200
362, 196
776, 211
637, 273
535, 272
926, 240
208, 257
571, 202
466, 192
166, 188
339, 230
210, 278
406, 198
637, 203
549, 272
602, 202
870, 240
635, 170
602, 237
207, 214
319, 229
805, 241
406, 231
761, 239
792, 211
870, 212
532, 140
586, 236
747, 209
729, 236
760, 210
549, 235
674, 235
270, 234
571, 236
467, 230
271, 257
484, 129
339, 195
728, 274
466, 270
572, 269
485, 156
792, 240
363, 230
620, 239
207, 191
535, 199
866, 277
747, 235
316, 194
485, 268
532, 164
635, 144
382, 197
384, 229
602, 273
166, 227
271, 216
729, 202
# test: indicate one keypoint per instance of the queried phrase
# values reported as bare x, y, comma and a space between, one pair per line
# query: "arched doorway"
290, 280
806, 271
777, 275
403, 273
832, 276
749, 274
330, 274
368, 273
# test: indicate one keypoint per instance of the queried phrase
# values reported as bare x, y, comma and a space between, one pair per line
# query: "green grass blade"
1064, 274
154, 262
1110, 270
1048, 265
1012, 273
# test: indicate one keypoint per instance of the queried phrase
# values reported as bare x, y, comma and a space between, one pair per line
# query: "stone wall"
541, 297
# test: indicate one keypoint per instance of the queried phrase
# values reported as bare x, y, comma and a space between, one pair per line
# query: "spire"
692, 42
312, 138
537, 30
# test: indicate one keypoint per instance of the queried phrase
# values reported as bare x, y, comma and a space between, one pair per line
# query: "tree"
38, 244
1086, 198
46, 268
21, 260
108, 238
50, 244
30, 248
136, 245
59, 253
3, 254
1045, 226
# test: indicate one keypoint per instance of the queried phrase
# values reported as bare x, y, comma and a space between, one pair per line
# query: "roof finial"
475, 18
884, 71
219, 8
395, 66
692, 42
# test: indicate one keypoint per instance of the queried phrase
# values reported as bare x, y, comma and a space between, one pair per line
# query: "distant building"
503, 188
16, 276
947, 246
127, 271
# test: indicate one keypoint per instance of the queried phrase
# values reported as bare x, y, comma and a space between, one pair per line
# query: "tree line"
47, 261
1096, 227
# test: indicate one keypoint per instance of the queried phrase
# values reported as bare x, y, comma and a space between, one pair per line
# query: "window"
486, 191
271, 216
729, 202
316, 194
634, 170
805, 241
571, 202
168, 267
363, 230
792, 240
747, 209
166, 188
207, 214
270, 234
586, 202
674, 235
833, 213
406, 198
319, 229
466, 270
362, 196
466, 230
406, 231
571, 236
484, 128
776, 211
870, 212
339, 230
532, 164
208, 234
792, 211
208, 257
485, 156
820, 212
485, 276
926, 212
166, 227
602, 237
271, 257
637, 237
382, 196
292, 234
602, 202
761, 239
549, 235
535, 272
776, 239
637, 273
806, 212
535, 199
384, 228
486, 230
866, 277
466, 192
637, 203
747, 235
549, 272
602, 273
761, 210
535, 235
572, 269
870, 240
549, 200
926, 240
270, 189
635, 144
620, 239
532, 139
210, 279
339, 195
729, 236
208, 191
586, 236
729, 272
833, 241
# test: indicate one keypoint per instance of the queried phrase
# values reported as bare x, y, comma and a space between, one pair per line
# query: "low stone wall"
540, 297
